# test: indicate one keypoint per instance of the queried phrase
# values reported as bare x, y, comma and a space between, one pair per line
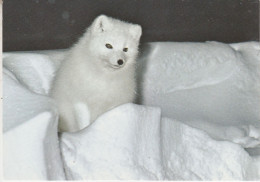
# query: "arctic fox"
98, 74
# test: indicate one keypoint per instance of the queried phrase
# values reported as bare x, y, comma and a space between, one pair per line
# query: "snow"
148, 147
115, 152
209, 86
195, 156
197, 118
20, 104
31, 151
41, 68
31, 148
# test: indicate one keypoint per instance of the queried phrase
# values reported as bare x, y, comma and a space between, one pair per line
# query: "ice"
198, 118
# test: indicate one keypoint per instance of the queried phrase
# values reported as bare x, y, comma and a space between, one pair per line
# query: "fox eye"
109, 46
125, 49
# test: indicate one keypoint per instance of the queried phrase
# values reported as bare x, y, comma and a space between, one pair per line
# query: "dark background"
55, 24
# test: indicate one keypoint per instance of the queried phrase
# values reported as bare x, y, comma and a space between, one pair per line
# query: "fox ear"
101, 23
136, 31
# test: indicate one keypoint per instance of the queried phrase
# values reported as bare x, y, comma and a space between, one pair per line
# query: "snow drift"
30, 146
198, 111
210, 86
149, 148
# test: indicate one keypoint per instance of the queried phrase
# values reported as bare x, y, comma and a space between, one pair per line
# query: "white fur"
92, 75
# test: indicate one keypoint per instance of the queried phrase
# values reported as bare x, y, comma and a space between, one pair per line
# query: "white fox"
98, 74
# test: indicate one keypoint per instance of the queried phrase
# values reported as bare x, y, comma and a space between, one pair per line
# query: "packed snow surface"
197, 118
30, 146
149, 147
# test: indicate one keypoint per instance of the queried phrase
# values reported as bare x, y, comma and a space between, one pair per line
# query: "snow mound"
211, 86
40, 67
125, 153
31, 150
21, 104
133, 142
186, 65
200, 109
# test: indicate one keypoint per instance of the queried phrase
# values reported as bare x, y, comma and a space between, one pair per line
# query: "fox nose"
120, 62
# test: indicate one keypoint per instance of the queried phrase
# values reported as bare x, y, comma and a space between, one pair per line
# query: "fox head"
113, 42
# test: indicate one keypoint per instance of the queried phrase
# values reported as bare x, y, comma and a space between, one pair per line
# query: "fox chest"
108, 90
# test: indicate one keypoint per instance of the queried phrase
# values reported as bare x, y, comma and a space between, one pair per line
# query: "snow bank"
40, 67
131, 142
209, 86
115, 146
31, 149
190, 154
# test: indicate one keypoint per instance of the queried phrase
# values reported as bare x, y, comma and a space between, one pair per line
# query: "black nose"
120, 62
